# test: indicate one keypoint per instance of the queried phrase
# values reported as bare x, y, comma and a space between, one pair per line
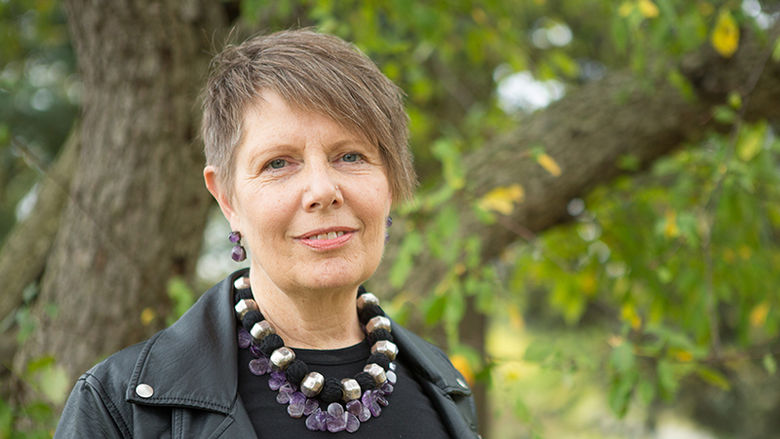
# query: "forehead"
272, 118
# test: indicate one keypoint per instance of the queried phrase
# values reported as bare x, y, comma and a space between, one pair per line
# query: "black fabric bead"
250, 318
380, 359
243, 294
296, 371
369, 311
361, 290
271, 343
331, 391
379, 334
366, 381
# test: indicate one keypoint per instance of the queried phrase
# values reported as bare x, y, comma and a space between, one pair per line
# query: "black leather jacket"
182, 382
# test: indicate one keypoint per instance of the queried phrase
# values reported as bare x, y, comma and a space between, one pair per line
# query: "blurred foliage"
663, 278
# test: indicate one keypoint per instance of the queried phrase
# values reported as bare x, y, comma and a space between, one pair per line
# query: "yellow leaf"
725, 36
629, 314
462, 364
745, 252
516, 318
549, 164
648, 8
502, 199
681, 355
588, 284
625, 9
147, 316
758, 315
670, 228
750, 145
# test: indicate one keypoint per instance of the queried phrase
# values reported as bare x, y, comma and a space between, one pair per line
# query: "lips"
326, 239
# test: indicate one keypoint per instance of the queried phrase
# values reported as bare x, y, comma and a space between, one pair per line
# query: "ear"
220, 194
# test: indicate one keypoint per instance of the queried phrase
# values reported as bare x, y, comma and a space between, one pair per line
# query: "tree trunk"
136, 208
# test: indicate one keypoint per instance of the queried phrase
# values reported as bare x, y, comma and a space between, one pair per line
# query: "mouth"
325, 239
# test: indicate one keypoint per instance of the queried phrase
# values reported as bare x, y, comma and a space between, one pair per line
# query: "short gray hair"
312, 71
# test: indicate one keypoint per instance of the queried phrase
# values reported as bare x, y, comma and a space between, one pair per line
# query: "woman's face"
310, 198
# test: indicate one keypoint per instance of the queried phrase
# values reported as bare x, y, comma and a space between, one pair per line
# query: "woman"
306, 150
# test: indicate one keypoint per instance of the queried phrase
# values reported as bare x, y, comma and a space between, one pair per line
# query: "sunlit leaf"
648, 8
725, 35
502, 199
758, 314
548, 163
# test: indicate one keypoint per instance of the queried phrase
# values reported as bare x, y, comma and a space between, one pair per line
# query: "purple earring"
239, 253
388, 223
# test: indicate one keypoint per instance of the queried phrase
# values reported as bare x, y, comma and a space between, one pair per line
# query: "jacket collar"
177, 363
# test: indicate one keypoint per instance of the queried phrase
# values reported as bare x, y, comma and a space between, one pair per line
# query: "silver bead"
365, 299
376, 372
312, 383
261, 330
282, 357
378, 322
350, 389
244, 306
241, 283
385, 347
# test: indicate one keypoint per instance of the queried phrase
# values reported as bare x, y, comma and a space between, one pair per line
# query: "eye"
351, 157
277, 163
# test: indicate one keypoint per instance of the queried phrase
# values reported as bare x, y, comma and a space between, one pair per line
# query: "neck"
309, 319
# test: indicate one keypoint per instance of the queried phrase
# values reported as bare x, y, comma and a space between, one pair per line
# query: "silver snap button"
462, 383
144, 390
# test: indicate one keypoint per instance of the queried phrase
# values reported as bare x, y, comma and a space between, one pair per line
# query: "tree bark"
136, 208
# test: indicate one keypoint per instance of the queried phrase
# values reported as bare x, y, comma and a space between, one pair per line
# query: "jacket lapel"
176, 363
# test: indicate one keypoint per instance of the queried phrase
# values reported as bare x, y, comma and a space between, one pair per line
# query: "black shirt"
408, 415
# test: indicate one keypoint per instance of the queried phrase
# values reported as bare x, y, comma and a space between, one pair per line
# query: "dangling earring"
388, 223
239, 253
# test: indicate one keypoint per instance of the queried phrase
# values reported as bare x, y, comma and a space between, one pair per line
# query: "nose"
322, 190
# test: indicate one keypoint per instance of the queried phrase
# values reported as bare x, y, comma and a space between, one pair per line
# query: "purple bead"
335, 409
238, 254
255, 351
337, 423
386, 388
382, 400
391, 376
310, 406
369, 400
316, 421
360, 411
285, 393
352, 423
260, 366
244, 339
297, 404
277, 380
234, 237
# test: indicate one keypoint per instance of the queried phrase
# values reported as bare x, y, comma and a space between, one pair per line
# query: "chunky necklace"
363, 395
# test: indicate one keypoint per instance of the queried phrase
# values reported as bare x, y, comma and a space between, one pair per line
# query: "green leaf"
410, 247
622, 358
724, 114
538, 351
776, 51
770, 364
434, 309
713, 377
620, 390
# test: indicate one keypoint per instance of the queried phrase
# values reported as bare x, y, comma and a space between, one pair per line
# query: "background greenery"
653, 312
